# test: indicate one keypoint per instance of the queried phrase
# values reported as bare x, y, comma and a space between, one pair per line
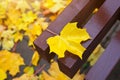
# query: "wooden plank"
107, 61
75, 8
100, 24
83, 16
97, 27
115, 73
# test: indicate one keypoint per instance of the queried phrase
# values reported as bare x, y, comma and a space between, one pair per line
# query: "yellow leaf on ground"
35, 58
2, 9
7, 44
22, 5
69, 39
29, 17
46, 76
13, 15
55, 74
10, 62
36, 5
18, 36
7, 40
55, 6
48, 3
29, 70
31, 39
2, 28
26, 77
96, 54
58, 6
3, 75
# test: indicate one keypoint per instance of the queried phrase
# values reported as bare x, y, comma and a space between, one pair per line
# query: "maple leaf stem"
14, 47
51, 32
32, 48
40, 69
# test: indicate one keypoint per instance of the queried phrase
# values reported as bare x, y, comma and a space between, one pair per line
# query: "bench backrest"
106, 63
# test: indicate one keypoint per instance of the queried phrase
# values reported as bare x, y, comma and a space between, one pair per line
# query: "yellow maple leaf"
3, 7
2, 28
22, 5
69, 39
31, 39
31, 36
58, 45
68, 2
45, 76
18, 36
96, 54
29, 17
29, 70
36, 5
10, 62
48, 3
58, 6
7, 40
35, 58
21, 25
3, 75
13, 14
55, 5
35, 29
7, 44
55, 74
71, 33
26, 77
42, 23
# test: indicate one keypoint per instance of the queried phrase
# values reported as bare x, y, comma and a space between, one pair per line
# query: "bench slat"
107, 61
76, 7
97, 27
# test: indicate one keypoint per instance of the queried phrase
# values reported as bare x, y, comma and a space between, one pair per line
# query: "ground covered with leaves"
21, 22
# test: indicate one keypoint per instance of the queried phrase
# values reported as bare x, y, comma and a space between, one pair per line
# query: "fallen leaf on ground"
10, 62
35, 58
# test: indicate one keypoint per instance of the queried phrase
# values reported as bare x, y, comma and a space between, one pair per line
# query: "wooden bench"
97, 26
107, 62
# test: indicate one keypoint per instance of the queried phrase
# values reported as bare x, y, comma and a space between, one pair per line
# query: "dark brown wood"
97, 27
76, 7
66, 64
100, 24
42, 47
107, 61
115, 73
85, 14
